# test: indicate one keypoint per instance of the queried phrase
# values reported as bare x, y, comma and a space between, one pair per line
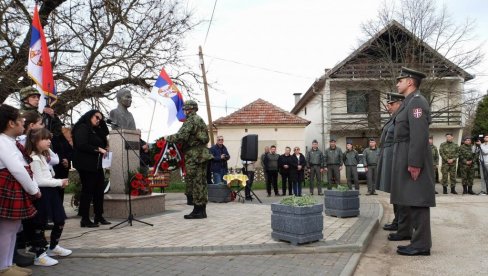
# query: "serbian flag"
39, 66
166, 93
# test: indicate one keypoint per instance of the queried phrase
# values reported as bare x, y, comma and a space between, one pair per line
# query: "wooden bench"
161, 180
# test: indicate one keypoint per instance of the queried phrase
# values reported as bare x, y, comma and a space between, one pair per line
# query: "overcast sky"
299, 39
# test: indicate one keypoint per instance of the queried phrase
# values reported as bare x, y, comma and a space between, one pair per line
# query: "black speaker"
249, 147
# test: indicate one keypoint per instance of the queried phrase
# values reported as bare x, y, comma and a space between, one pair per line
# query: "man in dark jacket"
370, 160
271, 165
351, 160
284, 163
315, 164
219, 161
333, 161
412, 171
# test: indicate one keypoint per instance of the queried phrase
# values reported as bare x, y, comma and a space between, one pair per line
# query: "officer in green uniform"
435, 158
412, 171
449, 152
370, 160
193, 137
467, 158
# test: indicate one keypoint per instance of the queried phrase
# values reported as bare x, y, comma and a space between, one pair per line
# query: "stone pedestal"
119, 170
117, 205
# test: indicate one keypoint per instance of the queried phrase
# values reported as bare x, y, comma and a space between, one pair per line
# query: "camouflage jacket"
466, 154
435, 155
448, 150
193, 137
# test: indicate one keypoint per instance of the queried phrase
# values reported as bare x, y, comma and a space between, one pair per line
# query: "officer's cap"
332, 139
372, 140
28, 91
394, 97
410, 73
349, 142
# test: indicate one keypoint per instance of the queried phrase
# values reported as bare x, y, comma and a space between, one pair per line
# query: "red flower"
134, 184
172, 153
134, 193
161, 143
139, 176
165, 165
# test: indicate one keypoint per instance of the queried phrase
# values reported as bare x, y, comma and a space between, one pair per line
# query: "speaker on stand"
249, 152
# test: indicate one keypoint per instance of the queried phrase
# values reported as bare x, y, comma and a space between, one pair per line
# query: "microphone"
110, 122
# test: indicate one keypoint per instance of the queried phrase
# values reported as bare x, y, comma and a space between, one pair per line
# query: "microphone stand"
128, 146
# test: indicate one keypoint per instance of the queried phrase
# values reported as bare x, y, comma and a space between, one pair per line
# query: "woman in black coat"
90, 146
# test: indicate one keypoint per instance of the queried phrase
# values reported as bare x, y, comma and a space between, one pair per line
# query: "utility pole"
207, 99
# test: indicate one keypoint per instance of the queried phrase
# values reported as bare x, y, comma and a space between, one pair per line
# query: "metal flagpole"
150, 125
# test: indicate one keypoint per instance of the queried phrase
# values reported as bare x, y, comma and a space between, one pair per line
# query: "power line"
210, 23
262, 68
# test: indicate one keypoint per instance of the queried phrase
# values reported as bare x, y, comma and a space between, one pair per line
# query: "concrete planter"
219, 193
341, 204
297, 224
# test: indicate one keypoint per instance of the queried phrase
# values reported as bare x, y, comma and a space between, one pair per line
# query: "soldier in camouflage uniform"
449, 153
435, 159
467, 157
193, 137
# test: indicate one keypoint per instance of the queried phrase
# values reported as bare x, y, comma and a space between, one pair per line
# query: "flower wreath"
169, 158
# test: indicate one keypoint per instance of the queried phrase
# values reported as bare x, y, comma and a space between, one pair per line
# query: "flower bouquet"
169, 157
139, 184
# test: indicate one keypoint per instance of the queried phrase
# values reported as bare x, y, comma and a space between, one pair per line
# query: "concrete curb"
265, 249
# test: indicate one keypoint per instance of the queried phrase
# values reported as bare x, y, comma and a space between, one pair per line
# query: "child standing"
50, 205
16, 184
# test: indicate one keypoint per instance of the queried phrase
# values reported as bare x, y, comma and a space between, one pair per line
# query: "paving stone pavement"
235, 239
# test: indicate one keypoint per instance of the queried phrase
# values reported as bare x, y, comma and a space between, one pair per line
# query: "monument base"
117, 205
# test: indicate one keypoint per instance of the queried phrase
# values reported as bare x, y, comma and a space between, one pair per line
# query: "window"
357, 101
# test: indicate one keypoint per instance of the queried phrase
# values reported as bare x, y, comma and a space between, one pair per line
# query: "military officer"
193, 136
449, 152
315, 165
333, 162
351, 160
370, 160
412, 169
467, 157
435, 158
383, 182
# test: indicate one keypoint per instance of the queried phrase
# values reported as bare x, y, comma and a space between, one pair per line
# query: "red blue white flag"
166, 93
39, 66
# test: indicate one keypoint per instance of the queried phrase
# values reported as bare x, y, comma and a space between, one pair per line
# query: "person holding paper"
90, 146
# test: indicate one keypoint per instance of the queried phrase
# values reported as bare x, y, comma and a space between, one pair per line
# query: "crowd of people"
35, 159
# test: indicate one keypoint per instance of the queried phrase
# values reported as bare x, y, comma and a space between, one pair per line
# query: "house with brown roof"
273, 125
348, 101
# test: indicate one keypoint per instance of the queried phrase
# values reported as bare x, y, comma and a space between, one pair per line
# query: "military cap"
190, 104
332, 139
449, 133
371, 139
466, 137
349, 142
410, 73
27, 92
394, 97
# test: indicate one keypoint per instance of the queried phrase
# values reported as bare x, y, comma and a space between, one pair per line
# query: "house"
273, 125
348, 101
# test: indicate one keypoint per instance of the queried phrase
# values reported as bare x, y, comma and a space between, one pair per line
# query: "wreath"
169, 157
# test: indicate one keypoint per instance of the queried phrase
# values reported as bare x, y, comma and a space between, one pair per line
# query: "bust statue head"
124, 97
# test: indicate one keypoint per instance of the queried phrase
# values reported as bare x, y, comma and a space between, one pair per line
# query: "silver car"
361, 169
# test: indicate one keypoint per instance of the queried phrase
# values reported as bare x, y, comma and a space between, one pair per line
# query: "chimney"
297, 97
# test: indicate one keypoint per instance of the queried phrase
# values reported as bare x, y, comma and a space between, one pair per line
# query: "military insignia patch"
417, 112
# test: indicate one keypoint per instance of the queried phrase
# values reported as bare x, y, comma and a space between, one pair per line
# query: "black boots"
199, 212
470, 190
87, 223
189, 199
453, 190
444, 190
465, 189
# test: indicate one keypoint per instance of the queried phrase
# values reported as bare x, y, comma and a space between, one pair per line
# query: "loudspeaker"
249, 147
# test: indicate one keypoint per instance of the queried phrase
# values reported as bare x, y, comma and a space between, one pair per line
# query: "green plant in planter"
342, 188
298, 201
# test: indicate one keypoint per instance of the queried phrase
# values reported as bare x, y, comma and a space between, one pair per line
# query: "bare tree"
96, 45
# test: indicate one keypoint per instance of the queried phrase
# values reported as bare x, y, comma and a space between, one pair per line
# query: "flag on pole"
39, 66
166, 93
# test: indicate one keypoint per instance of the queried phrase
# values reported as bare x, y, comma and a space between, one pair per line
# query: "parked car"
361, 169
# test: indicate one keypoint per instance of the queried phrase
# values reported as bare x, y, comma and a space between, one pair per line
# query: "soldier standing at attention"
370, 160
467, 158
315, 164
449, 152
412, 169
435, 158
351, 160
333, 161
193, 136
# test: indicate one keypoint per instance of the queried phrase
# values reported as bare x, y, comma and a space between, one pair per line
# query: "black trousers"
272, 180
286, 182
250, 181
92, 187
421, 237
404, 220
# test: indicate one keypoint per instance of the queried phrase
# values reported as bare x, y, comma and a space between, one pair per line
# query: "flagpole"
150, 125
